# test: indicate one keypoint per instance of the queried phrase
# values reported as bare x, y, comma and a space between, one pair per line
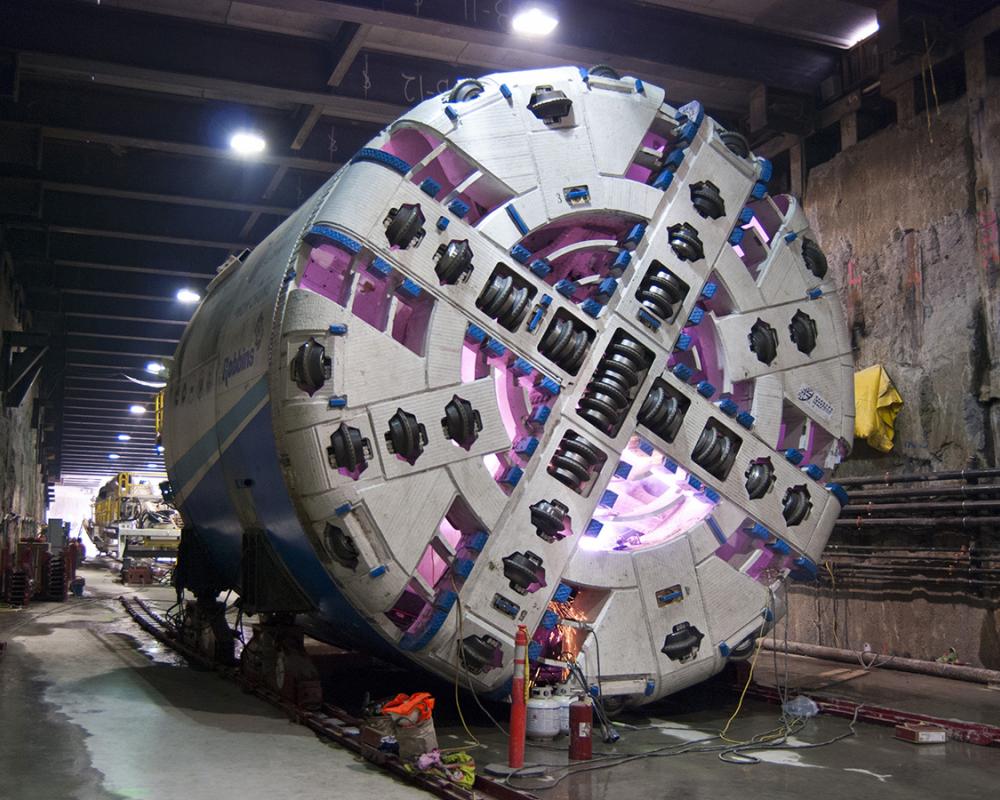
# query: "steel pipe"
964, 571
983, 552
990, 490
954, 505
916, 522
955, 671
922, 477
958, 585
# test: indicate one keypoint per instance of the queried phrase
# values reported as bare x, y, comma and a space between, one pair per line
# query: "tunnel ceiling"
118, 187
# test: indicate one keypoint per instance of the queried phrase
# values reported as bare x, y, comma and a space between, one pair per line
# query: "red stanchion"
518, 700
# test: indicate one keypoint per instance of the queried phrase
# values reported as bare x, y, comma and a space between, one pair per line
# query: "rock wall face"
22, 493
897, 217
908, 220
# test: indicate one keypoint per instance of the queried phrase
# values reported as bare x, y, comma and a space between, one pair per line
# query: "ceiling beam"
170, 199
93, 335
157, 320
128, 354
111, 419
202, 87
104, 379
119, 295
355, 43
108, 468
132, 446
753, 17
104, 365
272, 187
126, 402
105, 422
87, 450
143, 237
74, 393
306, 128
171, 273
715, 91
484, 50
184, 149
355, 36
137, 436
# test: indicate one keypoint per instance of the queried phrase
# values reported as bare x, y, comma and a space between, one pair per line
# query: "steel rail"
328, 722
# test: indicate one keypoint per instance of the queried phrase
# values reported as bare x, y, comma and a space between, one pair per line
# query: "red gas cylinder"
581, 722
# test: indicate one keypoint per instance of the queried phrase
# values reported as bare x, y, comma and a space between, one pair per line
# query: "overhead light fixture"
160, 448
534, 21
152, 466
155, 366
188, 296
123, 437
137, 409
247, 143
113, 456
860, 34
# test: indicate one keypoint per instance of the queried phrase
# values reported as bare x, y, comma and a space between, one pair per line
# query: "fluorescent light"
188, 296
152, 466
534, 21
160, 448
137, 409
155, 367
113, 456
123, 437
860, 34
247, 143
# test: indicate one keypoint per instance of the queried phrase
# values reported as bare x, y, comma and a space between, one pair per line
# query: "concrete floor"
91, 707
872, 763
903, 691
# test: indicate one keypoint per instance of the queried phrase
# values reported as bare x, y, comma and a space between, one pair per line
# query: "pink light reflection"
755, 223
470, 357
654, 505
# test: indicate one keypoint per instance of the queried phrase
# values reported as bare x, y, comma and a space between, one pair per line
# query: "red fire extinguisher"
581, 723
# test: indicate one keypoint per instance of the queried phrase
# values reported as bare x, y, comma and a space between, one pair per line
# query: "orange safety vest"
413, 708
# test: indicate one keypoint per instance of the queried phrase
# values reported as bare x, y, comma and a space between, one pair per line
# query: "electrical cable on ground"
729, 751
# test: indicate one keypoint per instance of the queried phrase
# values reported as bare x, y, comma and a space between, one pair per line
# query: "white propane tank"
544, 714
565, 696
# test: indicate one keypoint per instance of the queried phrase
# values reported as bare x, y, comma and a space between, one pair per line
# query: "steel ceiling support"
128, 353
88, 378
347, 44
21, 360
144, 237
152, 320
182, 149
205, 88
89, 422
120, 295
98, 335
170, 199
100, 390
272, 187
643, 40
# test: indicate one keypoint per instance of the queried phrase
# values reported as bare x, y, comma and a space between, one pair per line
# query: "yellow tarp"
876, 404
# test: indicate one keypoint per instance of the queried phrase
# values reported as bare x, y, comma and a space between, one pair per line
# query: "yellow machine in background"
158, 414
131, 519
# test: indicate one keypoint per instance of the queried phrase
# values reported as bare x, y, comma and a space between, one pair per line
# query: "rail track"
328, 721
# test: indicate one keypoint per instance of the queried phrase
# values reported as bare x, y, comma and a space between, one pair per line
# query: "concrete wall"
908, 220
